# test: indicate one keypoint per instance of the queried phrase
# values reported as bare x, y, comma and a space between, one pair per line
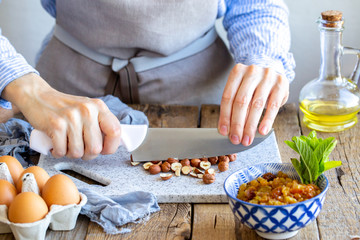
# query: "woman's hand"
248, 91
79, 127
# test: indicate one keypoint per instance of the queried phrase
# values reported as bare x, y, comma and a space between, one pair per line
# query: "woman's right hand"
79, 127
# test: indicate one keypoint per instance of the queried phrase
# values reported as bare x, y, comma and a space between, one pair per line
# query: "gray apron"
127, 29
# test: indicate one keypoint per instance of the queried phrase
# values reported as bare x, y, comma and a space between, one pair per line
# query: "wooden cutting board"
120, 177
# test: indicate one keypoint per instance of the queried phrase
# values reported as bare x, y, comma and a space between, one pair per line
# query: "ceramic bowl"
273, 222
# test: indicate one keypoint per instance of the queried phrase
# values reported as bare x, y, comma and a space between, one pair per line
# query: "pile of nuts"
196, 167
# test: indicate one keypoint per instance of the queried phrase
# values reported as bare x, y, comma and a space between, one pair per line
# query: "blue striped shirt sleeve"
12, 66
259, 33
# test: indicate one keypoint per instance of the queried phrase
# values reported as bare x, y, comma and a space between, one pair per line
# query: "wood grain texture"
340, 216
174, 220
213, 221
169, 116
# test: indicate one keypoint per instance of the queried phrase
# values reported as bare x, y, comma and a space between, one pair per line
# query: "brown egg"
41, 177
27, 207
7, 192
60, 190
14, 166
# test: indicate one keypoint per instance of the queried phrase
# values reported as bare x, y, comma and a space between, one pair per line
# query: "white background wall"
26, 23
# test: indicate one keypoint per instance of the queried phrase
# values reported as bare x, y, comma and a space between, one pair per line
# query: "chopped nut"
172, 160
223, 166
147, 165
210, 171
232, 157
195, 162
176, 166
200, 175
166, 176
205, 165
165, 167
186, 170
208, 178
213, 160
154, 169
224, 159
193, 174
178, 172
197, 171
185, 162
135, 163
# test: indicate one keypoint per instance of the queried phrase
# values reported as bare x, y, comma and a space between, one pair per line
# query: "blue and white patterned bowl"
273, 222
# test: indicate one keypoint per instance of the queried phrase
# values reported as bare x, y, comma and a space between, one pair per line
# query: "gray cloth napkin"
132, 207
108, 212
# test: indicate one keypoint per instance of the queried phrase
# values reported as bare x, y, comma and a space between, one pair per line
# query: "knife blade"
163, 143
153, 144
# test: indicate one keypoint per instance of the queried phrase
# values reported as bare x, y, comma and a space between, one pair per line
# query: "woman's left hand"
248, 91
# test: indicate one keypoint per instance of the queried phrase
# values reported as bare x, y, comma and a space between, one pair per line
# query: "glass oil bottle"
331, 102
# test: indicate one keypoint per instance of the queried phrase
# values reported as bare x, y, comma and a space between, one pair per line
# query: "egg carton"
59, 218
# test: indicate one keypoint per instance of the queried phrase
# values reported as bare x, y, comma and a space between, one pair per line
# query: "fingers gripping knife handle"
131, 137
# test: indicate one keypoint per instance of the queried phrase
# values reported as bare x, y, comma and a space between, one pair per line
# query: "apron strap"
124, 85
140, 64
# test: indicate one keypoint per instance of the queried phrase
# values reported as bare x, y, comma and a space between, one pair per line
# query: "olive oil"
330, 103
328, 116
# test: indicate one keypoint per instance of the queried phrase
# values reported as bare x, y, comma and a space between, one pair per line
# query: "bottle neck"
331, 50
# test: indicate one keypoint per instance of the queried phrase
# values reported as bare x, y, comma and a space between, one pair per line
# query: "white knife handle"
131, 137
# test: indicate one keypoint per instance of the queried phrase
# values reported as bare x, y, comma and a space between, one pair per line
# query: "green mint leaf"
312, 134
292, 145
332, 164
329, 149
297, 167
305, 152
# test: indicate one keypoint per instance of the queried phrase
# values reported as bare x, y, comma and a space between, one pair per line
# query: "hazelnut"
154, 169
232, 157
132, 161
205, 165
208, 178
165, 176
147, 165
172, 160
186, 170
224, 158
195, 162
223, 166
197, 171
185, 162
176, 166
213, 160
210, 171
204, 159
165, 167
178, 172
155, 162
193, 174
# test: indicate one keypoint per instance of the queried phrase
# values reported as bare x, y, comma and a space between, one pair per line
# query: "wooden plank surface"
340, 216
174, 220
339, 219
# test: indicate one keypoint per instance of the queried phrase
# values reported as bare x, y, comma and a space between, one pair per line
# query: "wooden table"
339, 219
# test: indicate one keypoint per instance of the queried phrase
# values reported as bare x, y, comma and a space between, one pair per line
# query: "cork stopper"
332, 17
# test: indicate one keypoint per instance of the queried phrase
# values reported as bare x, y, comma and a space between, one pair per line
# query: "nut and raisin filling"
276, 190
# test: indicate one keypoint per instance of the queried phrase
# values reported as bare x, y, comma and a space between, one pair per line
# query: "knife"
152, 144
